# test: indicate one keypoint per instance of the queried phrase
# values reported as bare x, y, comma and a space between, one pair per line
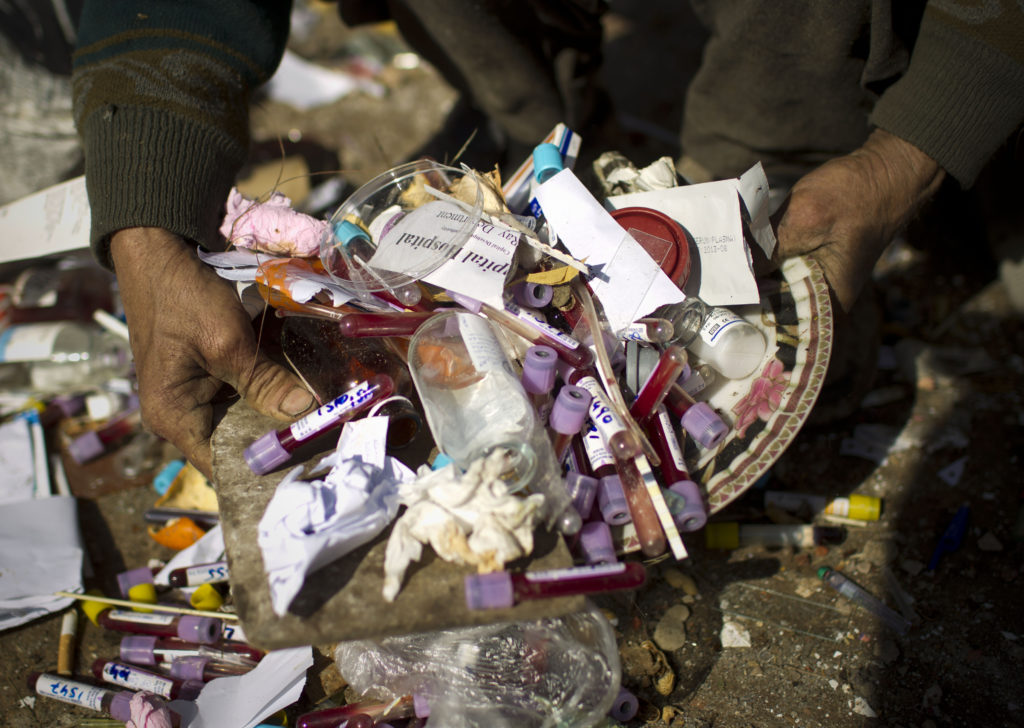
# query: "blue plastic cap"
345, 231
166, 476
440, 461
547, 162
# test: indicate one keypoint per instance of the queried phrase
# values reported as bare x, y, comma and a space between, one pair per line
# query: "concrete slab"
343, 600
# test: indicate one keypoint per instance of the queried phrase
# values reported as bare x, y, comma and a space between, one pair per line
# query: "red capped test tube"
275, 447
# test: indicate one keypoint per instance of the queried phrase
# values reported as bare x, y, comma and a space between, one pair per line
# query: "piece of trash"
951, 538
989, 542
952, 473
861, 707
856, 593
734, 634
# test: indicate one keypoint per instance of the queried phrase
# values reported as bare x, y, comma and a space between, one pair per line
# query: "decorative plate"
767, 409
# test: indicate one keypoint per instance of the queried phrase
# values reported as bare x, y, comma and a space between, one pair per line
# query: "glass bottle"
65, 356
729, 343
475, 403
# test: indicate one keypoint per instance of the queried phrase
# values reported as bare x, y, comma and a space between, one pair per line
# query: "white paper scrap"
54, 220
711, 212
16, 464
422, 237
242, 266
309, 524
40, 553
629, 283
246, 700
305, 85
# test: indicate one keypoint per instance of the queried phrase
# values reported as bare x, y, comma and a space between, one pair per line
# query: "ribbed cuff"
958, 102
150, 168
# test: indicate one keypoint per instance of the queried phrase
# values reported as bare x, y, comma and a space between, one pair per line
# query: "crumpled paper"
470, 519
309, 524
271, 226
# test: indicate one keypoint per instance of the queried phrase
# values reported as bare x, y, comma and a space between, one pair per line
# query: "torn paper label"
628, 283
752, 187
421, 241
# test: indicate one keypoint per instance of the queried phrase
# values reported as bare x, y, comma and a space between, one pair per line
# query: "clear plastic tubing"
405, 707
666, 372
275, 447
214, 572
503, 589
568, 415
357, 243
395, 323
135, 678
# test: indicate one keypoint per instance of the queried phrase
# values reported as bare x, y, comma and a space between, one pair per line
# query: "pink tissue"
148, 711
271, 226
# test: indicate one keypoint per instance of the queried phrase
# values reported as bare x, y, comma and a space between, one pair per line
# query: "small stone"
833, 683
802, 559
912, 566
989, 542
861, 707
670, 634
734, 635
678, 580
820, 551
806, 587
932, 697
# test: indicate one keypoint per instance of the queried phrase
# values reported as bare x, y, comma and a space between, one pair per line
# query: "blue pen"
952, 538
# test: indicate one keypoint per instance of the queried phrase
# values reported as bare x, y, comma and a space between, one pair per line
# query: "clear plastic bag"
554, 672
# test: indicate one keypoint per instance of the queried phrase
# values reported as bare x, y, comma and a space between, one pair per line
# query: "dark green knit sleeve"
161, 94
963, 93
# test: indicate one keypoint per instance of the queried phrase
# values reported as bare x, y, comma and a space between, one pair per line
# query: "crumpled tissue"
271, 226
470, 518
309, 524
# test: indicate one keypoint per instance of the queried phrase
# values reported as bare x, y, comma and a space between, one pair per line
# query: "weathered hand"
847, 211
189, 335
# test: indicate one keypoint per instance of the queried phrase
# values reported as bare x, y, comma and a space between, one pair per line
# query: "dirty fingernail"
297, 402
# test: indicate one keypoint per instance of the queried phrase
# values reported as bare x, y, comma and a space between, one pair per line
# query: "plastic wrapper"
554, 672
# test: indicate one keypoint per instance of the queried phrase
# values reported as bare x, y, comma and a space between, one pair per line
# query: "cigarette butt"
66, 646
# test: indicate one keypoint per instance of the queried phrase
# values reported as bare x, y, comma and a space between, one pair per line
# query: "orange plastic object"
178, 533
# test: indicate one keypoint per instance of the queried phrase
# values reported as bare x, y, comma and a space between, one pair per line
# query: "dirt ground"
749, 637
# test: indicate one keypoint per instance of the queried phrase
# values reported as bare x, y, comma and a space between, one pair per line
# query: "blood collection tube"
405, 707
215, 572
732, 535
582, 492
568, 415
199, 668
135, 678
187, 627
663, 376
94, 443
275, 447
698, 419
502, 589
641, 508
114, 703
153, 650
355, 243
539, 379
648, 330
383, 323
620, 442
594, 543
533, 295
568, 349
682, 495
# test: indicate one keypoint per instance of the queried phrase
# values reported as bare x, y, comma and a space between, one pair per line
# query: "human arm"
960, 98
161, 93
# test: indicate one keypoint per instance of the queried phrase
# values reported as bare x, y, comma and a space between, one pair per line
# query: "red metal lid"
665, 240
